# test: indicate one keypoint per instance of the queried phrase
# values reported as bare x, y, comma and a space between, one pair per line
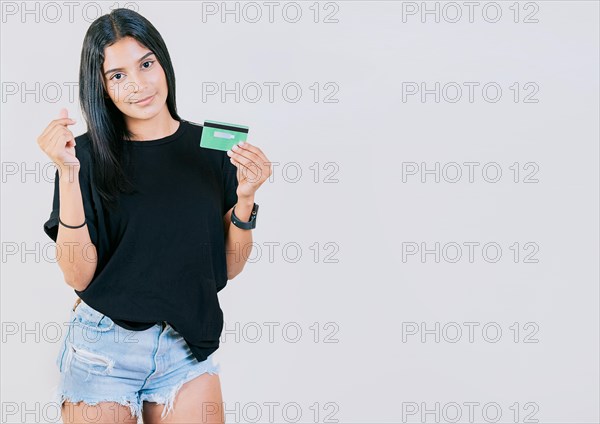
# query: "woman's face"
132, 73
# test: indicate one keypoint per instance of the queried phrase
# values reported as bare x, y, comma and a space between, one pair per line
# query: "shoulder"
196, 124
195, 130
193, 127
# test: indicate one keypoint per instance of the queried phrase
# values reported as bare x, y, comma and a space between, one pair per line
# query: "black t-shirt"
161, 255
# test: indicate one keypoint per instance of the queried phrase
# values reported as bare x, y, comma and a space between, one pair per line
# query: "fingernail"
241, 143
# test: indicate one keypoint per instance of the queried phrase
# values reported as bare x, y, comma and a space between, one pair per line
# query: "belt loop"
77, 302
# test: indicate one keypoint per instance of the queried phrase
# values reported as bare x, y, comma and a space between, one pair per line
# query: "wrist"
244, 216
68, 174
68, 177
243, 210
245, 201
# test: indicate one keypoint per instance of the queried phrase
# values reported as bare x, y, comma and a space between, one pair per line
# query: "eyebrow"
121, 69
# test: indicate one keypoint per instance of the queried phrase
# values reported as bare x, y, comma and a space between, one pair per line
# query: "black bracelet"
71, 226
249, 225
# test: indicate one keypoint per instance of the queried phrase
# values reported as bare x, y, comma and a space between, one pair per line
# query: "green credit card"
221, 135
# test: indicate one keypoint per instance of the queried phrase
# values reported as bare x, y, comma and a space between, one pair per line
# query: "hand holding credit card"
221, 135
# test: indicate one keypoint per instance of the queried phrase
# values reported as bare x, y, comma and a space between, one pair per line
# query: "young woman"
149, 226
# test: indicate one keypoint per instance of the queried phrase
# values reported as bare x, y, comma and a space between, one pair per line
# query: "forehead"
125, 52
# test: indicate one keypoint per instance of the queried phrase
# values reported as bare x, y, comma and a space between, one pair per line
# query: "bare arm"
238, 242
76, 254
253, 169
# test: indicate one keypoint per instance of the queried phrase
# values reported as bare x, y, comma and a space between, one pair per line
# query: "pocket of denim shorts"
95, 363
91, 319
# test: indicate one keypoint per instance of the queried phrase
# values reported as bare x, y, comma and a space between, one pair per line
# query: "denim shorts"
100, 361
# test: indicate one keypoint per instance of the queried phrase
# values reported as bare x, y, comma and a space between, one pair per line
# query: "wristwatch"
250, 225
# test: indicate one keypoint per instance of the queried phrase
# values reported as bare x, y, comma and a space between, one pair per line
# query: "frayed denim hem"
132, 401
169, 399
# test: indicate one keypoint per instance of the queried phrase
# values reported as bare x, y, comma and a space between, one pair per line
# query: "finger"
239, 175
60, 137
48, 136
255, 154
64, 121
258, 163
238, 170
252, 148
67, 139
71, 140
64, 114
57, 141
250, 169
242, 172
246, 153
57, 122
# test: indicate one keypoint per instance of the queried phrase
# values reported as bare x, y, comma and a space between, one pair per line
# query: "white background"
370, 295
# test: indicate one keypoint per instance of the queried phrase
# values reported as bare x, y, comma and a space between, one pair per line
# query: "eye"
145, 67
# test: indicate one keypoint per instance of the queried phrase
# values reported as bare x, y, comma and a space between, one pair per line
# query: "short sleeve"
51, 225
230, 183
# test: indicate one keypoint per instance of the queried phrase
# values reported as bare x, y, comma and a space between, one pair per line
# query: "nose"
136, 87
137, 84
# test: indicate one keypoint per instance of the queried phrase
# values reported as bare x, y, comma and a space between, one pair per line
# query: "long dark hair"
106, 125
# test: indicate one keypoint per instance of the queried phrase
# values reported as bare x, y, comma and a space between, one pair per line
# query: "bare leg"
198, 401
103, 412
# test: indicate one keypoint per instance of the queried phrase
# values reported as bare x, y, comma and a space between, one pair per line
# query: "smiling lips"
144, 100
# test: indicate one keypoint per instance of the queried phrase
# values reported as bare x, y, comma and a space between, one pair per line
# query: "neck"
159, 126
